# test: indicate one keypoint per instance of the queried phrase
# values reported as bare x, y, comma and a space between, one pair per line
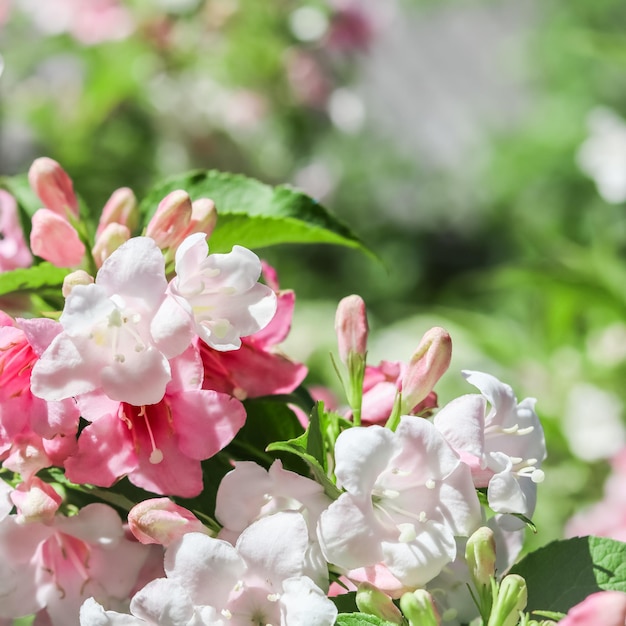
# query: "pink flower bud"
480, 556
351, 327
121, 208
108, 241
36, 501
426, 367
79, 277
418, 608
53, 186
203, 217
159, 520
169, 224
371, 600
54, 239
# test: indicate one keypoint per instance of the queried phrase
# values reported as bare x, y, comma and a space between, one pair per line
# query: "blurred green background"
478, 147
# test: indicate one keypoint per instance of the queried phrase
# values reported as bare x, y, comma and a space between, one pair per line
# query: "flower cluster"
115, 404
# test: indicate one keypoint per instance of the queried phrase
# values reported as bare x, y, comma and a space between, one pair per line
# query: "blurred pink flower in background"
14, 252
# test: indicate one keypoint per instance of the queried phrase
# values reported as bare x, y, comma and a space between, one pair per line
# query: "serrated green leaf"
30, 279
360, 619
564, 573
256, 215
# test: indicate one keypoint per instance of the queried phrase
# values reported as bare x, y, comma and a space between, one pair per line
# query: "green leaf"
360, 619
32, 279
255, 215
564, 573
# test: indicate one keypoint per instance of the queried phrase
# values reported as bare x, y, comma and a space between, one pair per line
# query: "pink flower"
53, 568
14, 252
604, 607
159, 446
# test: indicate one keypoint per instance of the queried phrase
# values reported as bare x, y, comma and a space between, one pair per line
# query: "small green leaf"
360, 619
31, 279
564, 573
253, 214
315, 439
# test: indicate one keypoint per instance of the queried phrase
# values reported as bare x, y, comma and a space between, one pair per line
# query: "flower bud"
480, 556
79, 277
372, 601
36, 501
120, 208
53, 186
426, 367
109, 240
54, 239
203, 217
159, 520
169, 224
510, 601
419, 609
351, 327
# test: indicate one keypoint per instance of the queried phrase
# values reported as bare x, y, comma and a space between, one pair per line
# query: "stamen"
430, 484
226, 613
156, 456
407, 532
273, 597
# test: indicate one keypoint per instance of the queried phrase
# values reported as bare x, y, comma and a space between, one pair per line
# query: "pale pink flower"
14, 252
604, 607
54, 239
108, 241
407, 495
120, 208
504, 446
220, 293
159, 446
249, 493
35, 501
112, 340
53, 568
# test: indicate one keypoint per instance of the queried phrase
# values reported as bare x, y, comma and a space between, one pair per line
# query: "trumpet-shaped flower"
221, 292
261, 580
504, 447
407, 495
159, 446
54, 567
112, 340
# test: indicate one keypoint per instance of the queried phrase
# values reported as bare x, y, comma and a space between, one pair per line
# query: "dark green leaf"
31, 279
564, 573
253, 214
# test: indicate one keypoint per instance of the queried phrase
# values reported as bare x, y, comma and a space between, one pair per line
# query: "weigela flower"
261, 580
407, 495
504, 447
111, 339
221, 293
159, 446
52, 568
14, 252
604, 607
250, 492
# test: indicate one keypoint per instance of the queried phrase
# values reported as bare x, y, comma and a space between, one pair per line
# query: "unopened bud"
419, 609
36, 501
54, 239
120, 208
79, 277
372, 601
108, 241
159, 520
53, 186
203, 217
171, 220
351, 327
426, 367
480, 556
510, 601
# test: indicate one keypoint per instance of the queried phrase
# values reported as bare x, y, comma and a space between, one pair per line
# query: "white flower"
407, 497
504, 447
221, 292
